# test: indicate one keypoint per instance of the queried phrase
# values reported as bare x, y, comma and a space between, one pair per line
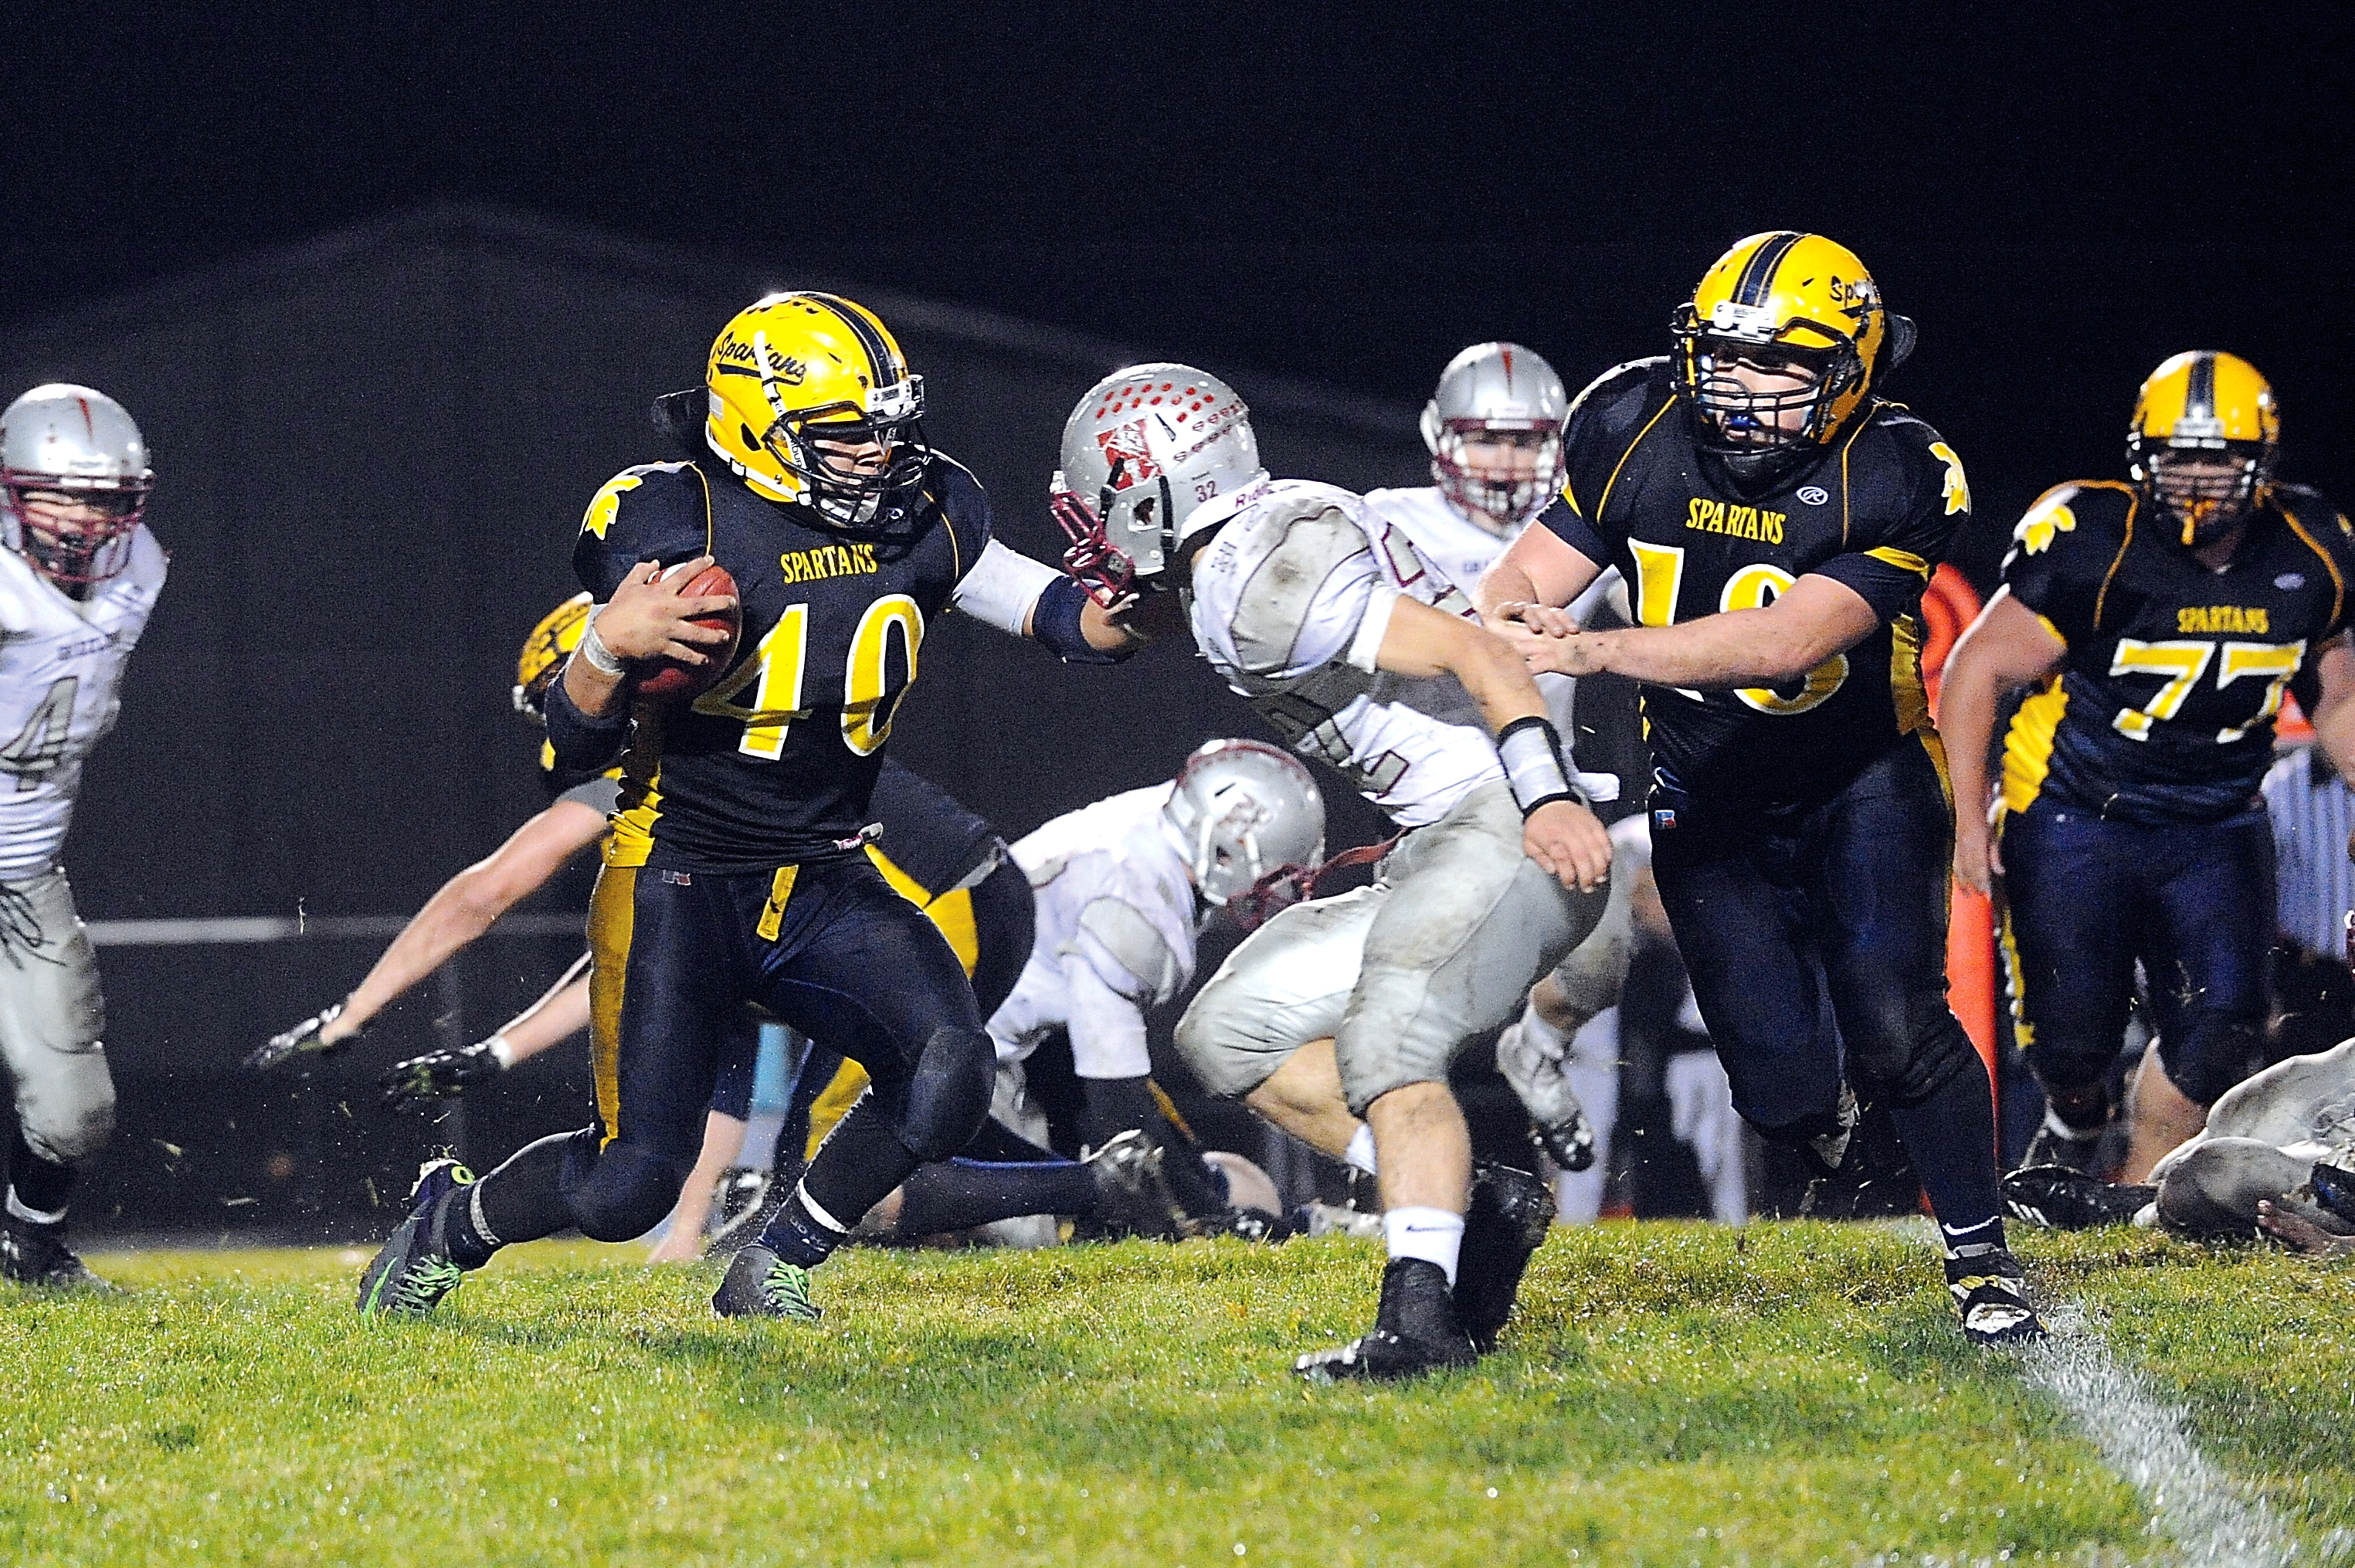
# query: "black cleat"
413, 1270
1415, 1331
1505, 1223
759, 1283
1569, 1144
1990, 1291
2335, 1190
2061, 1197
1136, 1196
35, 1257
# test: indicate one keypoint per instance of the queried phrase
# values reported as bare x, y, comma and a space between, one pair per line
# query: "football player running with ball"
78, 579
737, 869
1326, 619
2162, 620
1779, 522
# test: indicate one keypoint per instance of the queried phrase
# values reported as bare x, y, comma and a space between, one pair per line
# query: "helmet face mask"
810, 402
1143, 453
1778, 349
1494, 427
2201, 447
74, 483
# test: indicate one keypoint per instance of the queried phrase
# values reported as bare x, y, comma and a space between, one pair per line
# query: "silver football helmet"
1142, 452
1241, 809
74, 482
1509, 397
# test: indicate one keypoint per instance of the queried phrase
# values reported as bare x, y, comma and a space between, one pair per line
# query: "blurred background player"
1778, 523
1321, 613
1494, 427
2161, 620
737, 869
2312, 814
78, 579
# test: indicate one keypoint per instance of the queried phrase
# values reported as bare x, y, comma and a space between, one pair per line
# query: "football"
666, 680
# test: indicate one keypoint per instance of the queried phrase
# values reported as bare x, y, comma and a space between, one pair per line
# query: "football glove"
302, 1040
439, 1074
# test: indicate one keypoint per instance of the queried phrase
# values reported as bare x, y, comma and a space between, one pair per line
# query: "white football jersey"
1291, 601
1115, 933
1460, 550
60, 665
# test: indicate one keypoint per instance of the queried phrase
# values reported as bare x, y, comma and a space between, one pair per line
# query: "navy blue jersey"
1875, 513
930, 836
2163, 710
775, 764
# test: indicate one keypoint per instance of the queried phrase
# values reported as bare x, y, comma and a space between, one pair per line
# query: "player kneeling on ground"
1321, 614
737, 869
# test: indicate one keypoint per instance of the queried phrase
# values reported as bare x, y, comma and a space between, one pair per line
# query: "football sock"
1359, 1154
2077, 1112
1433, 1235
1535, 1029
522, 1200
1114, 1105
862, 1160
38, 1188
955, 1195
1950, 1138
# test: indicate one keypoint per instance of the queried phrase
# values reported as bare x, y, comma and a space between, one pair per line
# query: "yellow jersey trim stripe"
2027, 745
1603, 501
2338, 584
1903, 559
613, 914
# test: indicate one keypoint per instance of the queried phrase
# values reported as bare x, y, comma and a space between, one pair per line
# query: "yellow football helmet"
809, 401
544, 652
2205, 433
1797, 305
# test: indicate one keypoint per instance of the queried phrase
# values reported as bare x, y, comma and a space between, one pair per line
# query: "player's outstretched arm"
2334, 713
1538, 568
1561, 836
1030, 599
560, 1012
2006, 648
1816, 618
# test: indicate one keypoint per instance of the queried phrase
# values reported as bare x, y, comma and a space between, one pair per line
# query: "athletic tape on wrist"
500, 1052
1531, 753
599, 656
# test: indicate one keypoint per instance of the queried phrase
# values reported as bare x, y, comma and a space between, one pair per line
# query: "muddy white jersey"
61, 667
1459, 550
1291, 601
1115, 933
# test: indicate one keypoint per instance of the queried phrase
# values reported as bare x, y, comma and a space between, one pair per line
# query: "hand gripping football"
666, 680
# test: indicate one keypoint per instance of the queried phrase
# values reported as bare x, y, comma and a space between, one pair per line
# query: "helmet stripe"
2200, 395
882, 360
1758, 277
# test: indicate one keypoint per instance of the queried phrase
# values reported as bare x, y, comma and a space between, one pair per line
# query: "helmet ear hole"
751, 441
1902, 337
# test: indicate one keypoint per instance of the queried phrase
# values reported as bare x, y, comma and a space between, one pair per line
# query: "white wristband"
501, 1051
600, 657
1531, 753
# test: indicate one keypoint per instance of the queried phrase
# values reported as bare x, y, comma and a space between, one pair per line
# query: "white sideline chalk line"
2147, 1441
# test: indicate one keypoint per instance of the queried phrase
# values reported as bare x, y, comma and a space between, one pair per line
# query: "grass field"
1785, 1393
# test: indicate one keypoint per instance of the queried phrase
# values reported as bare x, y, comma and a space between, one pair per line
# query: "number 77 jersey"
2163, 712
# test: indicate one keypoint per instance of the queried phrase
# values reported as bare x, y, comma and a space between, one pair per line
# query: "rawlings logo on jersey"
1957, 491
1125, 454
2046, 519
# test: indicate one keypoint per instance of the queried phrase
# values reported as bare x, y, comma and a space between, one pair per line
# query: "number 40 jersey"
60, 665
2163, 710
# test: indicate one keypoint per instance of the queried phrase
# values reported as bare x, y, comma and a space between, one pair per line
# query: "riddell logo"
1124, 444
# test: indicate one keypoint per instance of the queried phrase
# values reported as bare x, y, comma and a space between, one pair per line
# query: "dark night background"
387, 285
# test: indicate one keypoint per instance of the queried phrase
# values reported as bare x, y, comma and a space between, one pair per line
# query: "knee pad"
1911, 1070
65, 1107
2209, 1053
626, 1193
948, 1094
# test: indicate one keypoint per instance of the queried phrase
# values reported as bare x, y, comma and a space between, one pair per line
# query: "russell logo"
1814, 494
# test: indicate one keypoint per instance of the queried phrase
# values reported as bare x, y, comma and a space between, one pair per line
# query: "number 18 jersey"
2163, 710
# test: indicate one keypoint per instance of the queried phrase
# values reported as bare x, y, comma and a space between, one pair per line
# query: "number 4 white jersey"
60, 664
1291, 601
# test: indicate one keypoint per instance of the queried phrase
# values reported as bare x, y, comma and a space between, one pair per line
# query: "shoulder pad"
1136, 944
1922, 457
1312, 536
655, 511
1616, 386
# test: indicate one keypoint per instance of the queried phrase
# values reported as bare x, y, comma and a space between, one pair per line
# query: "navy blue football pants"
2085, 897
829, 948
1814, 930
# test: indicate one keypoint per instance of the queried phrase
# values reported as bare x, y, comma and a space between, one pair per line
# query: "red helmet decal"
1125, 454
